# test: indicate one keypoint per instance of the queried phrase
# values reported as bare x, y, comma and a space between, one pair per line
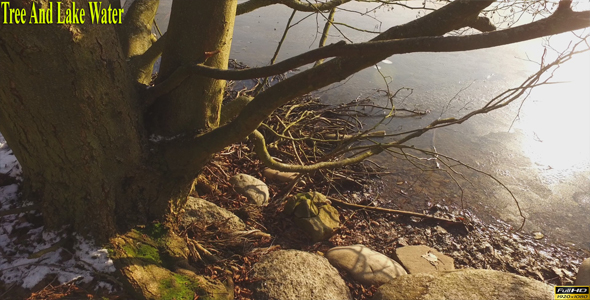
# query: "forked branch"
549, 26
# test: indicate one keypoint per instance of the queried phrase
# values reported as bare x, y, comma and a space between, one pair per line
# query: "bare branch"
393, 211
497, 102
445, 19
307, 6
559, 23
260, 148
415, 35
264, 82
325, 32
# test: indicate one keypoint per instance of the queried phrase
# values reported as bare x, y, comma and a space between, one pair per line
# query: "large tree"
102, 151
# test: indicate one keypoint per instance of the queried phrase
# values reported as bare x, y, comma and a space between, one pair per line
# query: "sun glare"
556, 118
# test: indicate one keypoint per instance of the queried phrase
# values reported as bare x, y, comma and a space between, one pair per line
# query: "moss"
178, 287
156, 231
144, 252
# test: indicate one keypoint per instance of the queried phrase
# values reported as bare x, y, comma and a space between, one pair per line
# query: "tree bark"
71, 112
196, 27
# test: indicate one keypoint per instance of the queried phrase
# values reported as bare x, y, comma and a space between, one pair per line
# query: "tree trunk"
196, 27
71, 113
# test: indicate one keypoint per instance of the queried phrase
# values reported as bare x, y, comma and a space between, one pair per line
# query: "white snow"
8, 163
20, 239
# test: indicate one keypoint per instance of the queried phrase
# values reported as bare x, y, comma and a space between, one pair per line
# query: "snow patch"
8, 163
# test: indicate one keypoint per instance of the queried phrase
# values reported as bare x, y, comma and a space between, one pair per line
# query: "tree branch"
136, 36
260, 148
411, 37
393, 211
149, 57
196, 149
307, 6
325, 32
559, 23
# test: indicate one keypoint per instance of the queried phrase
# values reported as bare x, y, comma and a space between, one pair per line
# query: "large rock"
294, 275
313, 213
465, 284
365, 265
423, 259
583, 277
254, 189
205, 214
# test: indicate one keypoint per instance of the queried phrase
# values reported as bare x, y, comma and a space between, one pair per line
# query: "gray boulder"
205, 213
423, 259
467, 284
254, 189
583, 277
294, 275
365, 265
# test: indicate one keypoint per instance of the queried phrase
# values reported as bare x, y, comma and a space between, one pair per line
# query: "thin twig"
393, 211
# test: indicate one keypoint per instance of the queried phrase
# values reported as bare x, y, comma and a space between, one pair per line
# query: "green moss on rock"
153, 261
179, 287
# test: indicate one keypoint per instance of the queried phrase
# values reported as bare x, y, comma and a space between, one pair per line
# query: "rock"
278, 175
252, 188
205, 214
365, 265
313, 213
293, 274
467, 284
538, 235
140, 256
583, 277
423, 259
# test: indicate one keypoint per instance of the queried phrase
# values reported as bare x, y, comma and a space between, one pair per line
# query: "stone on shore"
313, 213
365, 265
254, 189
583, 277
423, 259
205, 214
294, 275
467, 284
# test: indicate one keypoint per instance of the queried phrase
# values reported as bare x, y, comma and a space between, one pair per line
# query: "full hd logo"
572, 292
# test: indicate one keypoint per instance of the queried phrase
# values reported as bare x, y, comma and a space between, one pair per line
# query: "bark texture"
69, 113
197, 29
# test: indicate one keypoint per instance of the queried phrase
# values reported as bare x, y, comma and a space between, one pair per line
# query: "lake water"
541, 151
